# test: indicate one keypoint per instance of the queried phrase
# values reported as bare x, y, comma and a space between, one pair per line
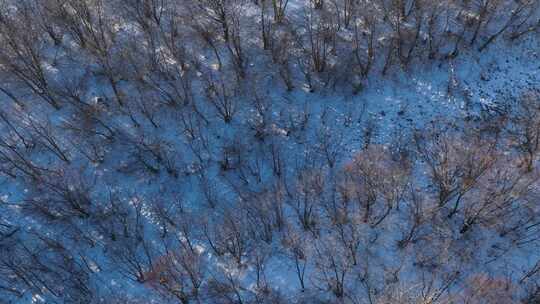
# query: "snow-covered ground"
172, 182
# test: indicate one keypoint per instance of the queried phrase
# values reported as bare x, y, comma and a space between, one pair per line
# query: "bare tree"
364, 42
280, 7
179, 274
375, 177
321, 33
305, 199
519, 15
129, 240
456, 164
299, 251
229, 236
524, 128
223, 96
32, 262
23, 54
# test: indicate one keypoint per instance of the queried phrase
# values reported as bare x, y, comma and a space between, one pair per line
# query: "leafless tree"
456, 163
519, 16
179, 274
35, 263
129, 240
524, 128
376, 178
280, 7
223, 96
299, 251
321, 33
93, 29
364, 42
229, 236
23, 53
305, 199
334, 266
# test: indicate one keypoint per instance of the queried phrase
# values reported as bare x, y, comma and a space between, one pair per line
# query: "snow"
300, 123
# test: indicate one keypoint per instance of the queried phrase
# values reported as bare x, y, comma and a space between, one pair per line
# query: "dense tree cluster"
143, 158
